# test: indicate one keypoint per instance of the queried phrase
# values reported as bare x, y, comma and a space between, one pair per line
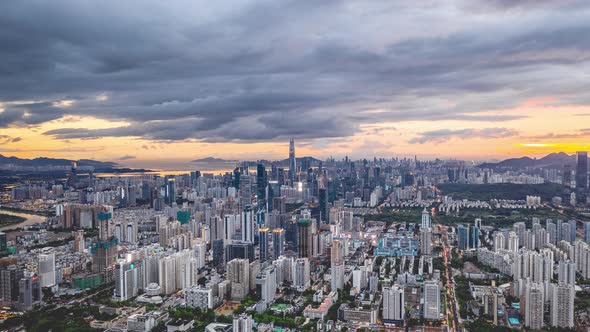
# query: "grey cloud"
442, 135
127, 157
220, 74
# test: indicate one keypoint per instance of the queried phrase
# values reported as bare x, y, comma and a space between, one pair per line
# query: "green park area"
509, 191
8, 219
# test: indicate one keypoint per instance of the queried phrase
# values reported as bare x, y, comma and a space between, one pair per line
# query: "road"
452, 315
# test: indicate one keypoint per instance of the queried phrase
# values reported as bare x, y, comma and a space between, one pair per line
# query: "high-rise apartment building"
393, 303
562, 305
238, 273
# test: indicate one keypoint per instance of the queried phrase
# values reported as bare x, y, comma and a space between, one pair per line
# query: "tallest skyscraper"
292, 161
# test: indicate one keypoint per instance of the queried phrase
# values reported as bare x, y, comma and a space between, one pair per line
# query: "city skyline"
351, 79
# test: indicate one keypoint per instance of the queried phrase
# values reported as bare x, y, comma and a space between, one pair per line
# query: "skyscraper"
582, 170
462, 238
238, 273
301, 274
393, 303
292, 161
426, 241
534, 305
567, 272
431, 300
337, 260
46, 268
562, 305
278, 239
426, 222
304, 245
261, 182
247, 227
264, 237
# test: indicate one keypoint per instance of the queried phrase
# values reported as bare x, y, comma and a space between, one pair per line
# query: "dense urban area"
299, 244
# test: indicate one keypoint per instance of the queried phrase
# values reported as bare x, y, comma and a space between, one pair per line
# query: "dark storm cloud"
442, 135
253, 71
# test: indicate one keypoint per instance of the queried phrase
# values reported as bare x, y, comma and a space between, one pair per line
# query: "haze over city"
155, 83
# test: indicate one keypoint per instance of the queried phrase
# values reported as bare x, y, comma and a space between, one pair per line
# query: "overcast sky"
165, 82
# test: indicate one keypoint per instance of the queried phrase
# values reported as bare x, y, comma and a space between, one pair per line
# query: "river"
32, 219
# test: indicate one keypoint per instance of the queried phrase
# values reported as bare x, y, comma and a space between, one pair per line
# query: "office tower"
238, 273
473, 237
29, 291
261, 182
126, 281
266, 284
230, 222
292, 161
337, 260
426, 221
104, 250
3, 243
247, 225
431, 300
426, 241
513, 244
304, 245
562, 305
264, 236
242, 323
46, 269
218, 253
462, 238
499, 241
582, 170
393, 304
9, 283
301, 274
324, 205
170, 191
278, 239
245, 191
534, 305
239, 249
567, 272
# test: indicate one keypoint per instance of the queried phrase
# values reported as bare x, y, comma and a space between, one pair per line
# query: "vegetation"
511, 191
55, 319
463, 295
201, 317
391, 216
7, 219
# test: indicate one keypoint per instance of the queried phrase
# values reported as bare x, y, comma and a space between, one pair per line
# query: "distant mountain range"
52, 162
553, 160
311, 160
213, 160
